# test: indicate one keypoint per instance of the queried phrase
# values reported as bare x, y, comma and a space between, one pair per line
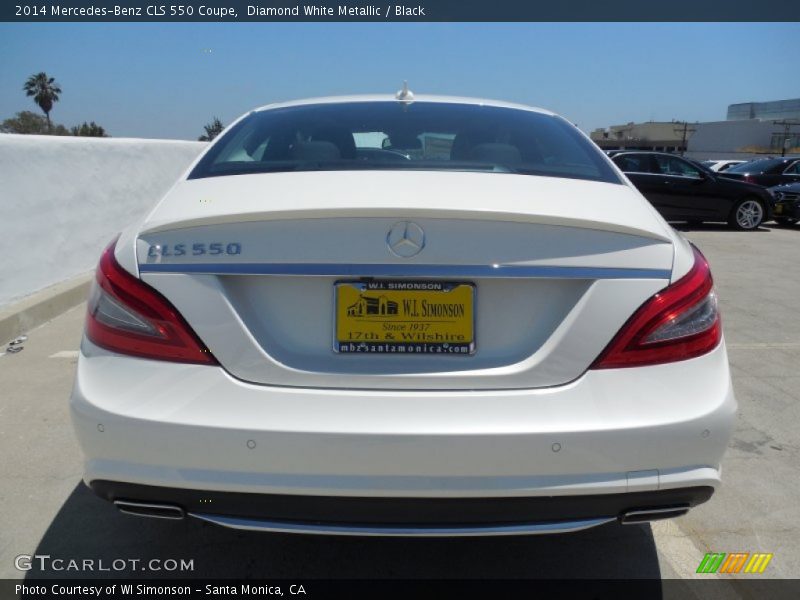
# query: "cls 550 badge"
197, 249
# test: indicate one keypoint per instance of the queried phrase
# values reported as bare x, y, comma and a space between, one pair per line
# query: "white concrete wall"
63, 198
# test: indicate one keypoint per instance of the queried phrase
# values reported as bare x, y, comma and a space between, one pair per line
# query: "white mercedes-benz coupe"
387, 315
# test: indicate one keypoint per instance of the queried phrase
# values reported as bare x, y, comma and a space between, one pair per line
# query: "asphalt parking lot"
46, 509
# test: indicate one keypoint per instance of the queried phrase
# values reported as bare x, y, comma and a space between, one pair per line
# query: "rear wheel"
747, 214
785, 221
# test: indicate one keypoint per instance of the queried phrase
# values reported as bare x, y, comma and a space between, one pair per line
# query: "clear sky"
168, 80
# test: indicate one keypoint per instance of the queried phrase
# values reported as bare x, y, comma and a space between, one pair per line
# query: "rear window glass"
761, 165
397, 136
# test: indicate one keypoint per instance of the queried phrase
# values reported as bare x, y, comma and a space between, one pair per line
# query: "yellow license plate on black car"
404, 317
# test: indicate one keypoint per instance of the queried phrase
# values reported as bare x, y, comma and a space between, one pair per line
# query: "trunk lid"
556, 265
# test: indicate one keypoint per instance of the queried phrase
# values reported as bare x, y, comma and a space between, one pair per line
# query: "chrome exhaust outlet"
154, 511
645, 515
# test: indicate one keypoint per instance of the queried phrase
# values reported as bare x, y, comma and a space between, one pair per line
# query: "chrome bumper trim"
402, 530
410, 270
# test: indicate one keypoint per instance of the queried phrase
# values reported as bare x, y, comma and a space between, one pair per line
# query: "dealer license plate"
404, 317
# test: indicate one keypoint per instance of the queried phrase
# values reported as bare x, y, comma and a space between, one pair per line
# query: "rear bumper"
403, 516
583, 449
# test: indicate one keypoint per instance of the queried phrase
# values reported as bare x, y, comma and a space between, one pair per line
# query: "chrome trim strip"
395, 270
401, 530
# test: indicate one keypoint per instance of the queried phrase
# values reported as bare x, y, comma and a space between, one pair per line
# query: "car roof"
694, 161
781, 158
618, 152
672, 154
393, 98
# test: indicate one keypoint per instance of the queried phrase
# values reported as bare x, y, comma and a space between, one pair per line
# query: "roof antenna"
405, 95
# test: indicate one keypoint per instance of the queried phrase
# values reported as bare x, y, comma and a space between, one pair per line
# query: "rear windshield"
395, 135
761, 165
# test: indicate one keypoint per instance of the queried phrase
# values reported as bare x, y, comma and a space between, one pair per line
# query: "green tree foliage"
213, 129
45, 92
89, 130
31, 123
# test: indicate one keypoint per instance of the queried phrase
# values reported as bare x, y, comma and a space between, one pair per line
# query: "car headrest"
504, 154
317, 150
339, 137
404, 140
465, 141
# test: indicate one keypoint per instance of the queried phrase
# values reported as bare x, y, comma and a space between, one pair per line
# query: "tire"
785, 221
747, 214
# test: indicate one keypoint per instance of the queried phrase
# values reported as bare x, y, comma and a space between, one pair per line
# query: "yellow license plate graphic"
405, 317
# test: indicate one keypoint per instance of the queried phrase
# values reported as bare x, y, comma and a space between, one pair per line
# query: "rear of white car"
366, 324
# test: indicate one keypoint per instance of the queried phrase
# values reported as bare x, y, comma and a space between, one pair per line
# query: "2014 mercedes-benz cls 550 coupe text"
403, 316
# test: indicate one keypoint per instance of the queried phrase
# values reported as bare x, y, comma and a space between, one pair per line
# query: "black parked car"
766, 171
786, 206
683, 190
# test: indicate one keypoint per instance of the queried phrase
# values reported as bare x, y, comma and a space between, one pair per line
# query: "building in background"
765, 111
659, 136
732, 139
752, 129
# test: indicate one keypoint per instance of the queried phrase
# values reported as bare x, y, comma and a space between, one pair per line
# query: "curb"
43, 306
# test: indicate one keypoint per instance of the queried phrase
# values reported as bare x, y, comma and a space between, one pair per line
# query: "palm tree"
45, 92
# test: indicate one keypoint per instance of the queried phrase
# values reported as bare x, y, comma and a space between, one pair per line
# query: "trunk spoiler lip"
490, 271
165, 225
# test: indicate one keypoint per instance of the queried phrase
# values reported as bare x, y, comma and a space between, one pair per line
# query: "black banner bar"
416, 589
399, 11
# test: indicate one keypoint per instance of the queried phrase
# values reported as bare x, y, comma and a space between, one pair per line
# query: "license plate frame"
452, 332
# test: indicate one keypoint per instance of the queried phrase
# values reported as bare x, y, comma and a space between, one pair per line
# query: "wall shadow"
89, 528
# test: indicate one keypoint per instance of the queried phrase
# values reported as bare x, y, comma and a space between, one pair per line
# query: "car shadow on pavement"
721, 227
794, 227
89, 528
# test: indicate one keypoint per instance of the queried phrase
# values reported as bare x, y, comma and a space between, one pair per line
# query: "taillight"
679, 322
126, 315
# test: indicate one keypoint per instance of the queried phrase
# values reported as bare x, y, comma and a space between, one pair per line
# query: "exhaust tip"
645, 515
154, 511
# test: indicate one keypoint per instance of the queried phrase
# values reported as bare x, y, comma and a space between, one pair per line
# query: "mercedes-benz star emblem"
405, 239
